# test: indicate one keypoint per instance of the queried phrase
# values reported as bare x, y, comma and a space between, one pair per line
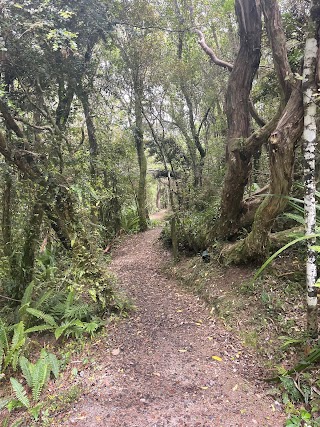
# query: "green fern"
39, 328
3, 342
27, 295
37, 374
39, 377
43, 299
41, 315
4, 402
20, 392
54, 364
25, 369
78, 311
18, 341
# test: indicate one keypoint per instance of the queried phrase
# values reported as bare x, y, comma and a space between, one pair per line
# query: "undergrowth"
63, 302
268, 317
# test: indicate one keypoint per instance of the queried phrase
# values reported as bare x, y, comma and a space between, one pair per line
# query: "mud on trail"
171, 363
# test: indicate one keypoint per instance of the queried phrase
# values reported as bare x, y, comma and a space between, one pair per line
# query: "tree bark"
93, 144
238, 116
281, 158
309, 147
277, 40
32, 235
142, 161
7, 212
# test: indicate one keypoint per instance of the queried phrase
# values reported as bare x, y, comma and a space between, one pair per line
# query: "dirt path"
156, 368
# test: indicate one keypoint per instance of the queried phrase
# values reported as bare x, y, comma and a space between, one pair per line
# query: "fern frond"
1, 355
70, 298
27, 296
54, 364
92, 327
4, 402
40, 374
4, 335
39, 328
18, 334
25, 368
41, 315
20, 392
43, 298
78, 311
61, 330
18, 341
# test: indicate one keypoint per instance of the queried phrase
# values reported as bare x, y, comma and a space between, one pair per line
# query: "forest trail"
155, 368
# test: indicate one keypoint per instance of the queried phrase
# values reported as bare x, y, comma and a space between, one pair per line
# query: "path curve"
156, 367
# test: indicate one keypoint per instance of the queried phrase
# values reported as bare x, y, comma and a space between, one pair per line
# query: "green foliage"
10, 351
130, 220
20, 392
36, 375
193, 230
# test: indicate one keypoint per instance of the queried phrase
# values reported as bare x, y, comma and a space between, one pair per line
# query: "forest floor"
170, 363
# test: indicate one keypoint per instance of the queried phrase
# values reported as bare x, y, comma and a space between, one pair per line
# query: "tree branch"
210, 52
10, 121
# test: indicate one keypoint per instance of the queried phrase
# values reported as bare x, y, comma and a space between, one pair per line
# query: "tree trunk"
142, 161
309, 146
93, 145
7, 211
281, 158
32, 235
238, 116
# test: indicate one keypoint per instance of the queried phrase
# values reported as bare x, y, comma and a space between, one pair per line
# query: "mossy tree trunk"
7, 212
32, 236
281, 159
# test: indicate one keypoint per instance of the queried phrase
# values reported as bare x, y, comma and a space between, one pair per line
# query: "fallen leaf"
210, 338
182, 350
179, 311
115, 352
235, 387
156, 374
216, 358
204, 388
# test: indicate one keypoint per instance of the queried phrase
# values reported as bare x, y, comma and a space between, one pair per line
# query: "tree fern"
20, 392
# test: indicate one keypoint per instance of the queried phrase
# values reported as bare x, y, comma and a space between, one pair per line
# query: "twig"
10, 299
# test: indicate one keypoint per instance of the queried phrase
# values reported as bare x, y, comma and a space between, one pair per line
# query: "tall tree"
310, 90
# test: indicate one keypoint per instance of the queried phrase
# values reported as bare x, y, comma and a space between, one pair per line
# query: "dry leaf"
115, 351
204, 388
182, 350
235, 387
216, 358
